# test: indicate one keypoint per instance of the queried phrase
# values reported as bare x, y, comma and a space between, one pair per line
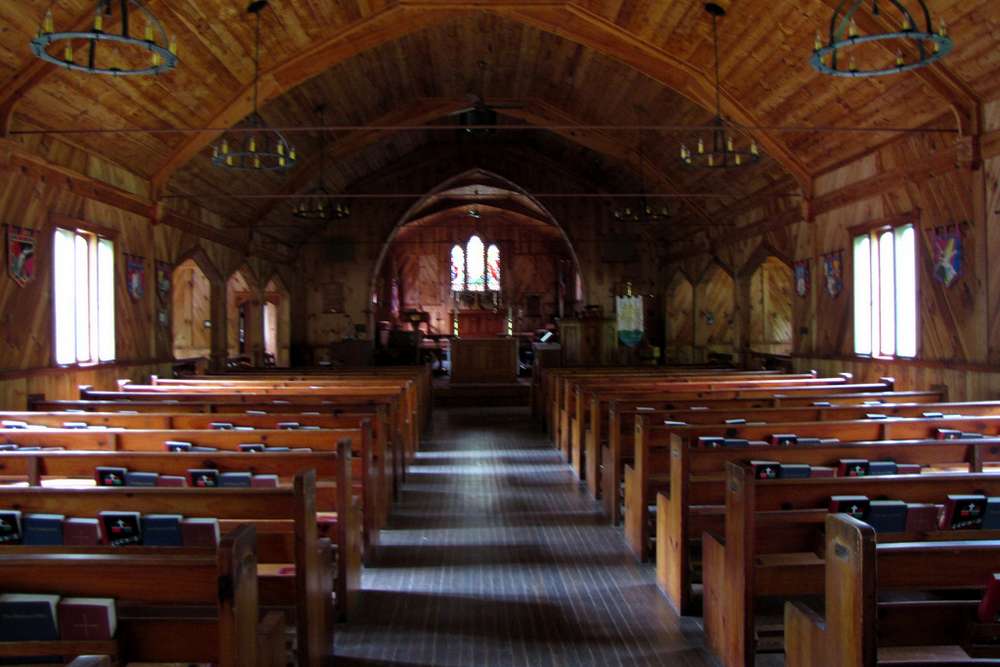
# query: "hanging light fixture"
317, 203
642, 212
719, 151
254, 146
110, 53
915, 28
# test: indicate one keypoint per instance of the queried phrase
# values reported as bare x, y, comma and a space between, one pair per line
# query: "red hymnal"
922, 517
989, 608
200, 532
87, 619
83, 532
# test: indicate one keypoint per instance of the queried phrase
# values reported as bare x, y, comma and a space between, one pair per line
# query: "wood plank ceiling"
417, 74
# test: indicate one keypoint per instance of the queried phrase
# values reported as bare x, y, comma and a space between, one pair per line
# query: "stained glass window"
493, 269
475, 265
457, 269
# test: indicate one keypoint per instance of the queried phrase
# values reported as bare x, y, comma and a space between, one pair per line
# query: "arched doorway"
680, 320
771, 307
191, 295
276, 323
241, 331
714, 314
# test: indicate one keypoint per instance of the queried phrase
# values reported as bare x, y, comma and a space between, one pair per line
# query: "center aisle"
495, 556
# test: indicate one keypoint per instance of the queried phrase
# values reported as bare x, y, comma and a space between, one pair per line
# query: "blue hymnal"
28, 617
42, 529
991, 517
235, 479
277, 449
881, 468
141, 479
887, 516
162, 530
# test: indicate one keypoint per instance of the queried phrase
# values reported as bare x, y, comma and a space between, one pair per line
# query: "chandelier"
316, 204
643, 212
915, 29
719, 151
255, 147
117, 55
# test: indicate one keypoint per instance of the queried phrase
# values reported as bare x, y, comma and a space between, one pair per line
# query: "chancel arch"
243, 334
276, 322
680, 319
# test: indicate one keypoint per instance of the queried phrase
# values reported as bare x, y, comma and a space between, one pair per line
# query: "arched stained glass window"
457, 269
475, 265
493, 269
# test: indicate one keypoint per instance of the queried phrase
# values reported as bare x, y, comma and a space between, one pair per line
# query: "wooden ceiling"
596, 62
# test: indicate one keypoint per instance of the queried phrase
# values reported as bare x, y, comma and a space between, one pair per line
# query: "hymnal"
171, 480
264, 481
110, 476
27, 617
14, 424
795, 470
162, 530
735, 442
932, 415
277, 449
76, 425
177, 446
141, 478
765, 469
822, 404
908, 468
736, 421
856, 506
644, 408
196, 448
7, 447
235, 479
948, 434
203, 477
244, 428
882, 467
989, 609
87, 619
852, 468
822, 471
42, 529
809, 441
991, 516
784, 439
288, 426
121, 528
963, 512
887, 516
256, 412
10, 526
922, 517
200, 532
81, 532
317, 428
876, 415
710, 441
252, 447
221, 426
966, 435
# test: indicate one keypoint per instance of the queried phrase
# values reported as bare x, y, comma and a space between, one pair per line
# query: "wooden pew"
364, 474
333, 493
695, 501
857, 629
224, 581
308, 591
772, 536
650, 470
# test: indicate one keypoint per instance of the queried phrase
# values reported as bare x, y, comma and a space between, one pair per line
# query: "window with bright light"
885, 292
84, 297
475, 268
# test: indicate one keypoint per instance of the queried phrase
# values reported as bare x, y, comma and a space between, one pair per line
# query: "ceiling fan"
480, 112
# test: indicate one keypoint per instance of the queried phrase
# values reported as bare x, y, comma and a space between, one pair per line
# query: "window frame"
95, 234
464, 249
872, 230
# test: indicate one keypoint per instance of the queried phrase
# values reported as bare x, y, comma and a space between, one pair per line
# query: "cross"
89, 629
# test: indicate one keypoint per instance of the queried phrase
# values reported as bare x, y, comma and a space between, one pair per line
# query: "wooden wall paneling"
715, 313
680, 319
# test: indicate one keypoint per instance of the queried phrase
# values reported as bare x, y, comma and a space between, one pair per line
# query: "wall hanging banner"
802, 277
947, 252
135, 276
630, 319
21, 247
163, 273
833, 272
163, 317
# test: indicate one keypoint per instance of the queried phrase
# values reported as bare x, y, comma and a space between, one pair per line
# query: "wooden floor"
495, 556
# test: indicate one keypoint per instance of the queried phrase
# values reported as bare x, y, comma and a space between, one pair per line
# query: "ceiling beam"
955, 92
564, 19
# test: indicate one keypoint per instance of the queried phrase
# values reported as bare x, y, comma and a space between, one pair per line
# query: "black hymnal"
42, 529
795, 470
784, 439
856, 506
710, 441
735, 442
203, 477
235, 479
881, 468
177, 446
765, 469
221, 426
26, 617
121, 528
948, 434
10, 526
252, 447
887, 516
110, 476
963, 512
852, 468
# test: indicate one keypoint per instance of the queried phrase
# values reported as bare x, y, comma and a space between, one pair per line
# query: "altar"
484, 359
481, 323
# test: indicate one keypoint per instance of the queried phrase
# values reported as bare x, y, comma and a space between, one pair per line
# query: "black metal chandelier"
316, 204
720, 150
254, 146
925, 44
643, 212
110, 53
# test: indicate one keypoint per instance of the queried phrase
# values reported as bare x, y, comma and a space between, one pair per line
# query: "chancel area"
452, 333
